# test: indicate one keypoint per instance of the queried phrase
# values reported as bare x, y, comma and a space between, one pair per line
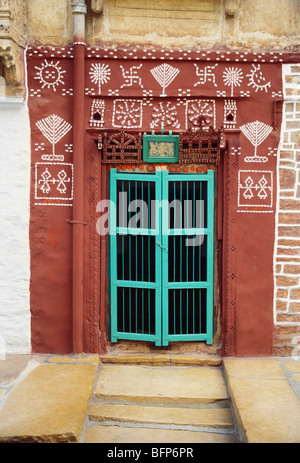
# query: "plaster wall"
256, 25
14, 219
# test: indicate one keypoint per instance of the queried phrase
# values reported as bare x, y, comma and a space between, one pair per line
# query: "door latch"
161, 246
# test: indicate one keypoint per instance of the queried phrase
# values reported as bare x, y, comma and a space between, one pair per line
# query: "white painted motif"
230, 113
164, 74
256, 132
54, 181
233, 77
97, 113
54, 128
127, 114
35, 92
50, 75
67, 92
206, 75
255, 191
131, 77
257, 79
235, 151
100, 74
200, 113
164, 114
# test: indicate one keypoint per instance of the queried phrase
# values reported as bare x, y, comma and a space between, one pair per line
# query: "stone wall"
251, 24
287, 252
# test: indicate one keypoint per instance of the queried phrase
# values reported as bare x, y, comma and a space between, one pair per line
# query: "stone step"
49, 404
185, 385
124, 434
161, 359
201, 417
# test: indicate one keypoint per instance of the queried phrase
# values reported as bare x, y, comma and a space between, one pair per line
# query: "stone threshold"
161, 359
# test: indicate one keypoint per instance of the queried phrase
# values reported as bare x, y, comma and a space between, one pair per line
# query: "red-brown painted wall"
137, 91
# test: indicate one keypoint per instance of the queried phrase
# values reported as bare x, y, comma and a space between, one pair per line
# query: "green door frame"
161, 285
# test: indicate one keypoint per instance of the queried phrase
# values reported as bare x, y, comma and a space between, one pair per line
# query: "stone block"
49, 405
295, 293
286, 281
50, 25
212, 417
155, 384
287, 178
286, 231
292, 269
267, 409
121, 435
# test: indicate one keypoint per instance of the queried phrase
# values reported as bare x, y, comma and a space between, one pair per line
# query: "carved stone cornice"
12, 40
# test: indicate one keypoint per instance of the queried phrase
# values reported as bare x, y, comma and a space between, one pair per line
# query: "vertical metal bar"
123, 294
159, 257
149, 225
174, 238
143, 315
210, 255
143, 235
129, 236
136, 317
200, 247
194, 224
129, 308
113, 255
200, 310
193, 310
149, 242
164, 255
136, 236
142, 290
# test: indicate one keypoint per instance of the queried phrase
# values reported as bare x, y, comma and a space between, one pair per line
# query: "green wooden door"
161, 256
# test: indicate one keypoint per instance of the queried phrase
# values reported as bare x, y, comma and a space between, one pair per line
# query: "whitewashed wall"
14, 231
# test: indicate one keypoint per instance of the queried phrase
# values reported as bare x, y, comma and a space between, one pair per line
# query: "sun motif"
50, 74
257, 79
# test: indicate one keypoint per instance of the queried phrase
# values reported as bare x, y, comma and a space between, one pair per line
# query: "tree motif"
54, 128
233, 77
100, 74
164, 74
256, 132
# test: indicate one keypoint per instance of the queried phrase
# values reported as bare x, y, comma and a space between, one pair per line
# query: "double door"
161, 256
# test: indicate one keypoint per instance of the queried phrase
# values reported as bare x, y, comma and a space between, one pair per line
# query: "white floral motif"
201, 113
100, 74
164, 115
233, 77
127, 114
